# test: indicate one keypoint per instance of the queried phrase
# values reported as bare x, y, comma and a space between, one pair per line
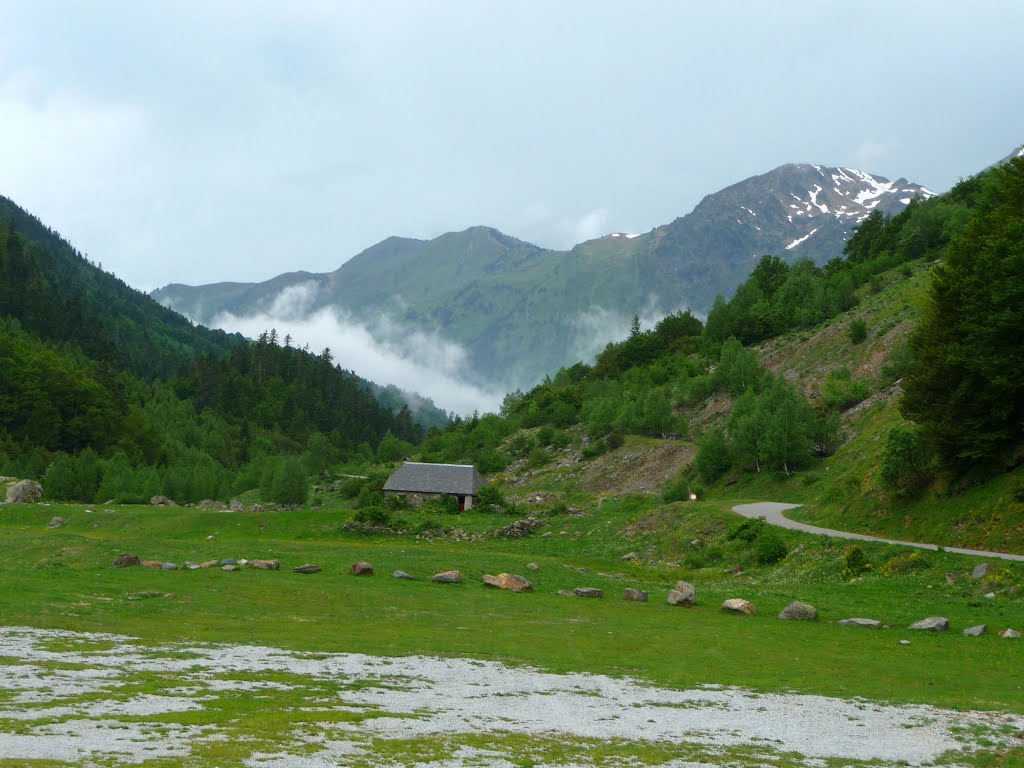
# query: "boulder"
402, 575
509, 581
24, 492
211, 537
211, 504
865, 623
1010, 634
161, 501
520, 528
191, 566
739, 605
566, 593
265, 565
258, 507
168, 566
228, 561
123, 561
980, 571
634, 595
209, 564
230, 567
307, 568
57, 522
447, 577
532, 566
798, 611
977, 631
932, 624
151, 564
629, 557
588, 592
236, 506
362, 568
684, 593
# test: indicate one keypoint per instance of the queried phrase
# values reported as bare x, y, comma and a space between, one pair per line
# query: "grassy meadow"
62, 578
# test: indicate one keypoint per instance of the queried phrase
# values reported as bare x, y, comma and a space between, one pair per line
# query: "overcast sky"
204, 141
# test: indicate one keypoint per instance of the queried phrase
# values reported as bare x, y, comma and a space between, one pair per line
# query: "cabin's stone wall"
417, 499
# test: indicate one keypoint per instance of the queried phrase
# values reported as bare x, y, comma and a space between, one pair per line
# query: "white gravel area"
43, 716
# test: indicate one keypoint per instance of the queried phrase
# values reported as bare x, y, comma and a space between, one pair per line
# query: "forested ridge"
108, 394
962, 371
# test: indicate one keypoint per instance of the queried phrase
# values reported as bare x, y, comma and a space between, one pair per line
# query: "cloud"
380, 350
871, 154
596, 327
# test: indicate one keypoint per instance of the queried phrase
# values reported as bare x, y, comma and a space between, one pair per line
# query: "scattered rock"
228, 561
951, 578
1010, 634
209, 564
151, 564
520, 528
265, 565
977, 631
509, 581
307, 568
532, 566
168, 566
980, 571
739, 605
57, 522
798, 611
402, 575
932, 624
211, 504
362, 568
990, 595
211, 537
634, 595
236, 506
566, 593
866, 623
230, 567
161, 501
447, 577
736, 570
144, 594
904, 642
582, 569
629, 556
170, 596
243, 561
24, 492
588, 592
191, 566
684, 593
123, 561
257, 507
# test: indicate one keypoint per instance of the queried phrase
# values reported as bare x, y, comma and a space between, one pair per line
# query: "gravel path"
83, 705
772, 511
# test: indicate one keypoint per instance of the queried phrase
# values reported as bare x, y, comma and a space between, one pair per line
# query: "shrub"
521, 444
615, 439
855, 562
904, 563
546, 435
539, 457
858, 331
594, 449
904, 460
350, 487
770, 548
713, 456
677, 490
289, 485
747, 530
376, 516
490, 499
841, 391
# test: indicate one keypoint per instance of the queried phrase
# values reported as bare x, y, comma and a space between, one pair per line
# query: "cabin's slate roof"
416, 477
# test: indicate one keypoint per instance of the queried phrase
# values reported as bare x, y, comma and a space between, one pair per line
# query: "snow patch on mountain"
799, 240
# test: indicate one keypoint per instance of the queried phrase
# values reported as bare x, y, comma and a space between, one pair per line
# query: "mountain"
520, 310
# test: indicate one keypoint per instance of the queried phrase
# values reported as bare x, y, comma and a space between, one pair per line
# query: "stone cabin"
419, 481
